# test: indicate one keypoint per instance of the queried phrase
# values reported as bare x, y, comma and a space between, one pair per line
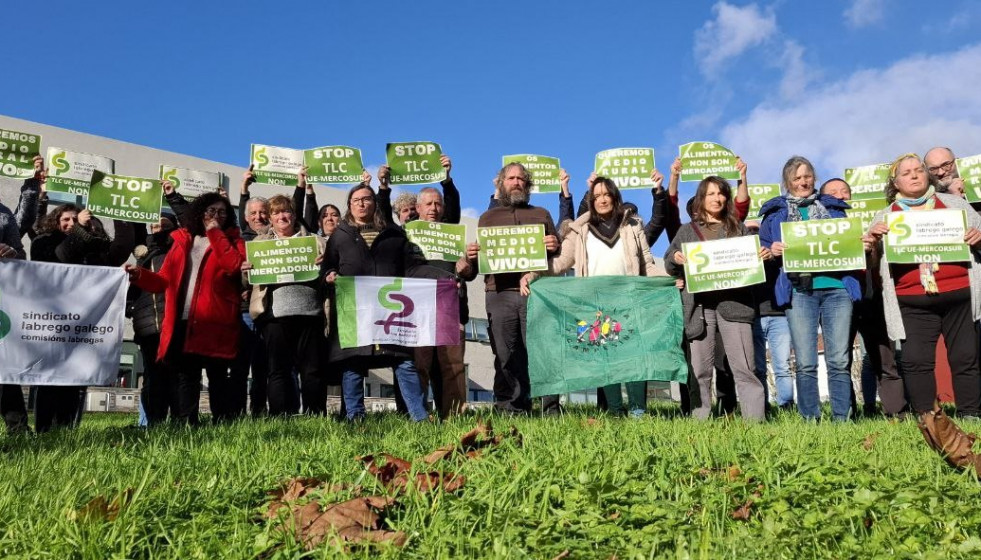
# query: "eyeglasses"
363, 200
945, 166
212, 212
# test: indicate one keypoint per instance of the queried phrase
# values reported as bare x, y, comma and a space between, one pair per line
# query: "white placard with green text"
544, 171
17, 151
833, 245
276, 166
191, 183
129, 199
926, 236
511, 249
702, 159
414, 163
722, 264
868, 181
70, 173
629, 168
438, 241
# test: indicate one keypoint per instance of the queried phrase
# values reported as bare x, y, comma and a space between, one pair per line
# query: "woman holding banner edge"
822, 299
730, 312
607, 240
923, 301
365, 244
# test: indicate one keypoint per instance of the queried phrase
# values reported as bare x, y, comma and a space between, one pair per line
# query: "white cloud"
470, 212
869, 117
796, 74
863, 13
733, 31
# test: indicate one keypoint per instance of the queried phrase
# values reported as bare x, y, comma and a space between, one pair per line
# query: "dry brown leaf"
473, 442
564, 554
733, 473
395, 474
742, 512
613, 516
355, 520
944, 436
869, 442
100, 509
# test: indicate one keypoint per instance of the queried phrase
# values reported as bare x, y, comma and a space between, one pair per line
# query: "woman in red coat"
200, 281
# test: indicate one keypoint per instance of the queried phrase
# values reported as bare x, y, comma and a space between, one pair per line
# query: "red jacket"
215, 314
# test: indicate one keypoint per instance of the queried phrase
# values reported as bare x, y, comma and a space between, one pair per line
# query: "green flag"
585, 333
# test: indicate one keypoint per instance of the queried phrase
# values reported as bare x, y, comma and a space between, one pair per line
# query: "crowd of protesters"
194, 311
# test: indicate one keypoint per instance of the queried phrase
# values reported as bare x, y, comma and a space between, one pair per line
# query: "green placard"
823, 245
511, 249
969, 170
544, 171
926, 236
17, 151
414, 163
868, 182
865, 210
333, 165
701, 159
276, 166
629, 168
191, 183
282, 261
71, 173
723, 264
130, 199
758, 195
438, 241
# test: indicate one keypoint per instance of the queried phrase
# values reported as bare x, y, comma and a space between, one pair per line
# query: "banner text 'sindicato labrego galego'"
130, 199
511, 249
17, 151
276, 166
544, 171
414, 163
629, 168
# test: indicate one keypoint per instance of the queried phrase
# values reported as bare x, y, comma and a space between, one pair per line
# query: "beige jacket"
636, 253
257, 302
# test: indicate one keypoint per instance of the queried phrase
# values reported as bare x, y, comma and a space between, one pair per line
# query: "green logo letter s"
60, 163
261, 158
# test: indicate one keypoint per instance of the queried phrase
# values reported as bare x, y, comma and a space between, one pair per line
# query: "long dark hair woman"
200, 278
365, 244
728, 312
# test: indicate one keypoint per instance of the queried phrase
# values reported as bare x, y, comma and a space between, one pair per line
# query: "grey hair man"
404, 207
942, 170
253, 213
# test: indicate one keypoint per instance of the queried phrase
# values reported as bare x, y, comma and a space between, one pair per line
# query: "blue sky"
843, 82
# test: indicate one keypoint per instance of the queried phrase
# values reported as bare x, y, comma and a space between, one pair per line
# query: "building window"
386, 391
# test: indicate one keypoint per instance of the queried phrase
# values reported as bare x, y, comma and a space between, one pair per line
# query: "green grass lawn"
656, 487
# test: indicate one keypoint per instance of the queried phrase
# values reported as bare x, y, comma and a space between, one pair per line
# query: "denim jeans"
352, 387
832, 310
773, 331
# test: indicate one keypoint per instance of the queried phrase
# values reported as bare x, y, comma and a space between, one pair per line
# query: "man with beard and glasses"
506, 307
942, 171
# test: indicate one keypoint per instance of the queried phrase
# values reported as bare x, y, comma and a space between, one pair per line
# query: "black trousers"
159, 393
868, 320
507, 315
295, 343
12, 408
925, 318
58, 406
251, 357
187, 371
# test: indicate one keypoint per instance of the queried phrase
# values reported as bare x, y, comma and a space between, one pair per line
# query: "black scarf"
607, 231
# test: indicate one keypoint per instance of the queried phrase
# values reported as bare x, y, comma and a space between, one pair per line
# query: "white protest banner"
723, 263
403, 311
17, 151
629, 168
70, 174
969, 170
191, 183
926, 236
702, 159
868, 181
544, 171
60, 324
276, 166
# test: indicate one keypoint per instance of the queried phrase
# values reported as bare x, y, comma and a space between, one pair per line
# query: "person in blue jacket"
823, 299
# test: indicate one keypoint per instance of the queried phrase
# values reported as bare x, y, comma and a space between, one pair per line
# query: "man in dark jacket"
506, 307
